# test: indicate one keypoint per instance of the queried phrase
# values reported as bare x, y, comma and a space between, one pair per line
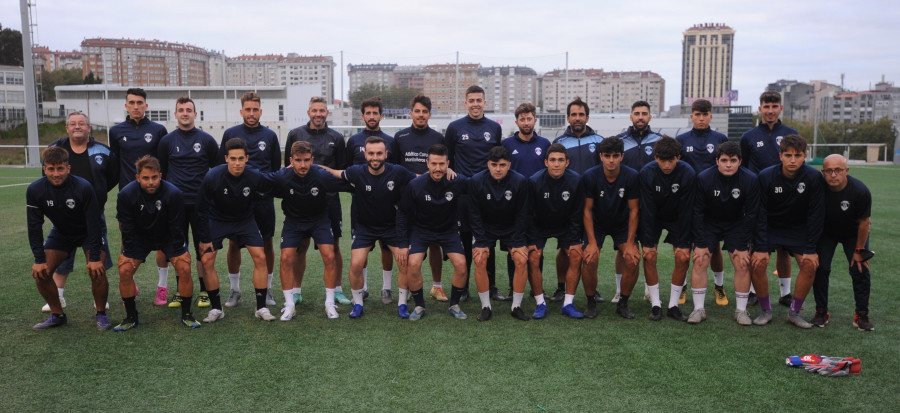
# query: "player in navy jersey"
372, 113
469, 140
410, 150
611, 199
848, 207
792, 197
427, 215
186, 154
328, 148
151, 215
225, 205
302, 189
558, 211
726, 209
667, 201
71, 205
377, 187
698, 149
265, 155
130, 140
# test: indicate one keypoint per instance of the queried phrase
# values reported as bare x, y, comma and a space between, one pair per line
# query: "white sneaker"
264, 314
62, 301
288, 314
616, 297
214, 314
269, 299
331, 312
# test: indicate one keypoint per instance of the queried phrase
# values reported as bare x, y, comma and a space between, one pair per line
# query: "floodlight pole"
32, 153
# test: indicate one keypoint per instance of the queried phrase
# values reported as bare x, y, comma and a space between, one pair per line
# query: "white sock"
618, 283
654, 295
684, 284
752, 290
163, 276
674, 295
485, 299
338, 289
647, 288
269, 281
357, 296
569, 299
329, 297
741, 298
404, 296
785, 284
288, 298
517, 299
699, 297
235, 280
365, 280
539, 299
386, 277
719, 278
296, 290
436, 284
60, 291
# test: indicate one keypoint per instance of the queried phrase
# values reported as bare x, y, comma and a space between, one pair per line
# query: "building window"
158, 115
14, 78
281, 112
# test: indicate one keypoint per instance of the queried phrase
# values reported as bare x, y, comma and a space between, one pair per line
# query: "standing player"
611, 193
130, 140
71, 205
760, 147
264, 155
410, 150
185, 155
698, 149
151, 215
328, 150
469, 140
667, 201
848, 205
558, 212
727, 209
792, 196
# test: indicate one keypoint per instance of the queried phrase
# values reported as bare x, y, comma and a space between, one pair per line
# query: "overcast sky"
802, 40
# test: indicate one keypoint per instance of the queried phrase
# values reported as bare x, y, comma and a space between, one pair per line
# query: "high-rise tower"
707, 55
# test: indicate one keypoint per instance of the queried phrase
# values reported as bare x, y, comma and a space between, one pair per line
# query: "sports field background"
383, 363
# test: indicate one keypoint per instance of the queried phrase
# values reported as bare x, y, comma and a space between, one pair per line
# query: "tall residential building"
52, 60
145, 62
604, 92
506, 87
447, 95
278, 70
381, 74
412, 77
706, 62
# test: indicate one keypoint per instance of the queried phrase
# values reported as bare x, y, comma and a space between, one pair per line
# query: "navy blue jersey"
501, 207
558, 203
722, 201
132, 140
527, 158
151, 219
469, 141
410, 148
263, 150
759, 146
582, 152
185, 158
375, 197
73, 209
303, 199
327, 146
665, 199
845, 208
698, 147
638, 147
102, 166
611, 209
224, 197
794, 207
430, 205
356, 146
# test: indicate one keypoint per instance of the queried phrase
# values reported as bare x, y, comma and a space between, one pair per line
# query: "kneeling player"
726, 208
151, 214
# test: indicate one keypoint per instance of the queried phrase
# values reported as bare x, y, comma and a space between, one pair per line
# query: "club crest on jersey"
487, 136
801, 187
592, 147
314, 191
246, 191
778, 140
538, 151
158, 205
448, 196
390, 185
710, 147
736, 193
648, 150
98, 159
464, 137
70, 203
675, 188
845, 205
621, 192
197, 147
148, 137
261, 146
565, 195
507, 195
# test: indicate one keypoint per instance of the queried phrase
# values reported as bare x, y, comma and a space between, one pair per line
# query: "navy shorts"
192, 221
364, 238
293, 233
732, 235
507, 240
141, 251
245, 233
539, 238
619, 236
779, 239
264, 214
62, 242
420, 239
673, 237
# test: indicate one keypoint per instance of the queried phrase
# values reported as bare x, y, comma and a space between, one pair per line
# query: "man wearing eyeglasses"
848, 205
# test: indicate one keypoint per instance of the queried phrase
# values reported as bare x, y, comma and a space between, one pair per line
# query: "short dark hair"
701, 105
611, 144
147, 162
318, 99
578, 102
525, 108
728, 149
438, 149
793, 141
770, 96
557, 148
498, 153
373, 101
474, 89
667, 148
236, 143
54, 155
249, 97
300, 148
374, 140
184, 99
424, 100
639, 104
137, 92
